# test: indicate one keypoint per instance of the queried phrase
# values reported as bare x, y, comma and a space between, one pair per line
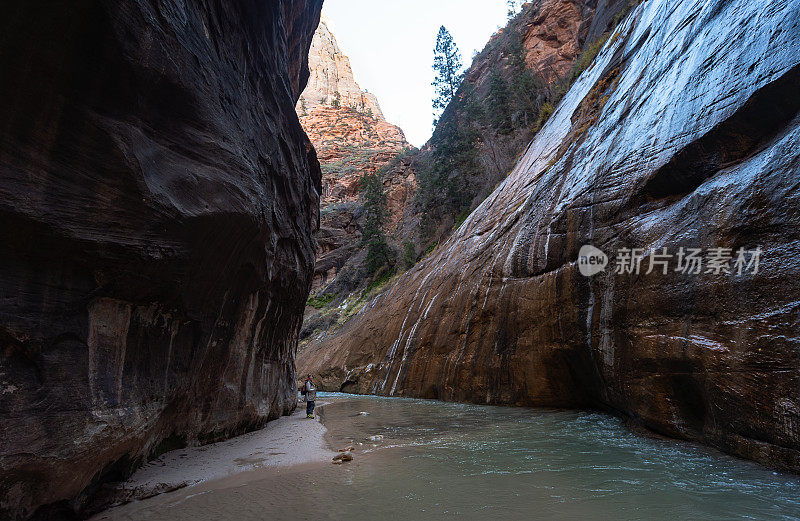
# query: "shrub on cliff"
444, 180
499, 102
586, 58
320, 301
409, 254
528, 88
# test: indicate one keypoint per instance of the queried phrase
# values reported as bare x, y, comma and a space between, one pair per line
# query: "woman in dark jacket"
309, 391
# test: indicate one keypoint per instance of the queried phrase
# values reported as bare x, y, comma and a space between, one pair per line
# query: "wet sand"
289, 441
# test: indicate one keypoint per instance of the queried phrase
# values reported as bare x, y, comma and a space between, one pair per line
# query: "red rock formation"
684, 133
351, 138
332, 78
157, 201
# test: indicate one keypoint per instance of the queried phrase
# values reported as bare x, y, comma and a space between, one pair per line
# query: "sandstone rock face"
684, 133
157, 204
552, 32
339, 236
350, 139
421, 207
553, 37
331, 75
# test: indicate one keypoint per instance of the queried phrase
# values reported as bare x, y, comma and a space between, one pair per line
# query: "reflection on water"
438, 460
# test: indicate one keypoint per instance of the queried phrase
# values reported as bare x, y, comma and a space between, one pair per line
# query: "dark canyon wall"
157, 201
685, 132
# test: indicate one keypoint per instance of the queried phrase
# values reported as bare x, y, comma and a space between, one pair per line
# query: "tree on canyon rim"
375, 214
447, 64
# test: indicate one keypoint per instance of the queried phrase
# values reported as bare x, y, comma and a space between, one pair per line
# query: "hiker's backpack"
311, 391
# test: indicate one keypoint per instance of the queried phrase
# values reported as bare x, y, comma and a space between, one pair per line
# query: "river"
442, 460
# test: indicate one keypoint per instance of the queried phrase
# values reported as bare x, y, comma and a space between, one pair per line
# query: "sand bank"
288, 441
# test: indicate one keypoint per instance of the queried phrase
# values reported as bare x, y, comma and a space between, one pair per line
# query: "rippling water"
439, 460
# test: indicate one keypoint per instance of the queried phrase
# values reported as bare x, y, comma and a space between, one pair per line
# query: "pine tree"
375, 214
447, 64
337, 100
499, 102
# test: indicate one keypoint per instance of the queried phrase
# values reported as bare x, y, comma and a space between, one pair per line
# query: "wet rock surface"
420, 186
684, 133
158, 199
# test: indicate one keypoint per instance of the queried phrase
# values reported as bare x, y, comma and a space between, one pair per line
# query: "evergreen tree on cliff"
447, 64
499, 102
375, 214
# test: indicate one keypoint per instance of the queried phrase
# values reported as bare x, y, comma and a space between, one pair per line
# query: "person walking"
309, 391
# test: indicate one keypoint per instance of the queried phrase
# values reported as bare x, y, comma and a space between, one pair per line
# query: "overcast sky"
390, 45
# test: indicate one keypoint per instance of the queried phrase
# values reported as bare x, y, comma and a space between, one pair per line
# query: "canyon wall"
157, 204
684, 133
352, 138
428, 190
332, 78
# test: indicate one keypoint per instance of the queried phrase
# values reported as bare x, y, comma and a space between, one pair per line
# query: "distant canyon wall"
158, 199
352, 137
332, 78
684, 133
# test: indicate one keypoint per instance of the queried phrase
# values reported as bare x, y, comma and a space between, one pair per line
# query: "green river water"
443, 460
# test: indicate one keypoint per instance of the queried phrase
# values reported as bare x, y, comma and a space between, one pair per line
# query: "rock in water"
343, 456
685, 132
157, 202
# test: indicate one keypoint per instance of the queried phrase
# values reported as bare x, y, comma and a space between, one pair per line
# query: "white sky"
390, 44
